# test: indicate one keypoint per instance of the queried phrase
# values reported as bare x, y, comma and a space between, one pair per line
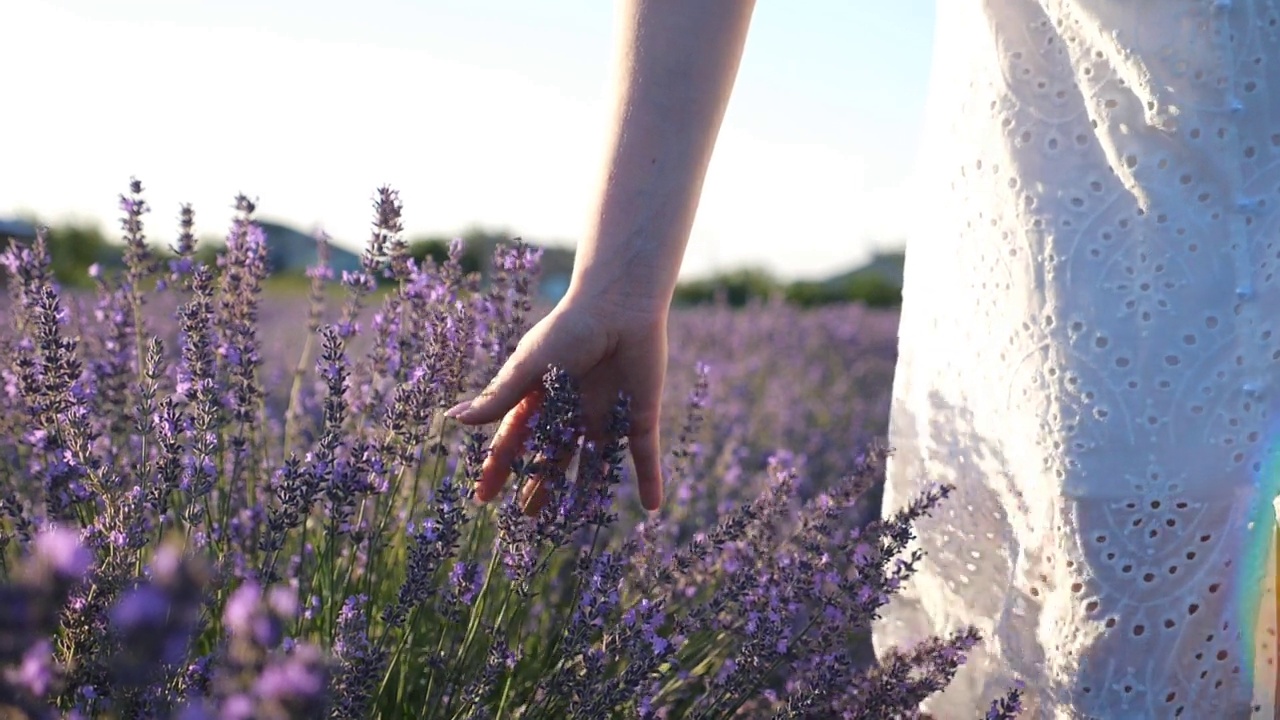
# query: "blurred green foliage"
873, 289
739, 287
73, 248
735, 288
437, 248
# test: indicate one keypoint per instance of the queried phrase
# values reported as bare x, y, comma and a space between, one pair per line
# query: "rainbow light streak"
1258, 561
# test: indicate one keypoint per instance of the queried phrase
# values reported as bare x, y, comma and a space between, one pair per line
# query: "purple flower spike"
60, 551
241, 609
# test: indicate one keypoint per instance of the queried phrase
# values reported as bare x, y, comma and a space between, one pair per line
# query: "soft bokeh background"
483, 113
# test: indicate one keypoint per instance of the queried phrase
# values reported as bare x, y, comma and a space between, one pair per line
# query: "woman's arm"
679, 60
610, 330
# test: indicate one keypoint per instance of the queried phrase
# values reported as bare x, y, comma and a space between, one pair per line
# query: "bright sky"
481, 112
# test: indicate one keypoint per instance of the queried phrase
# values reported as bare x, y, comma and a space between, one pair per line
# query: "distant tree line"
738, 287
75, 247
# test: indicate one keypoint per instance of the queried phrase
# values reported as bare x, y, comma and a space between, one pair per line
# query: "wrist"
620, 293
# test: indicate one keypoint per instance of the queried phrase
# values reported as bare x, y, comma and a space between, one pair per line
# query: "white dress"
1090, 352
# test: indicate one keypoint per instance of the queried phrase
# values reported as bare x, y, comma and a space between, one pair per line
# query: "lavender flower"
35, 674
138, 258
222, 506
434, 542
361, 663
197, 383
293, 687
1007, 707
57, 565
181, 266
156, 621
58, 552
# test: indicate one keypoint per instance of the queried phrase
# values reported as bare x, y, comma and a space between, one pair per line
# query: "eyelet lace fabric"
1089, 351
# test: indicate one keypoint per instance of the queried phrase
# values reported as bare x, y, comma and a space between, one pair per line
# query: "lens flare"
1259, 568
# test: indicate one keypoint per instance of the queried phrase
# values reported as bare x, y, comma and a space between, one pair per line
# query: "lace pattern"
1089, 351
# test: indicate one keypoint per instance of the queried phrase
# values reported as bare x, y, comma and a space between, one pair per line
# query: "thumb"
521, 374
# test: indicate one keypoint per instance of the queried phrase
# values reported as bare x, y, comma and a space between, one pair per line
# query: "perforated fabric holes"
1114, 170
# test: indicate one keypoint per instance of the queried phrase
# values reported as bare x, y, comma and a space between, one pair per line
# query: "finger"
536, 492
522, 373
646, 453
533, 497
597, 414
508, 444
591, 461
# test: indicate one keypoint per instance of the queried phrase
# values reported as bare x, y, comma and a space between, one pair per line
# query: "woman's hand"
607, 350
677, 67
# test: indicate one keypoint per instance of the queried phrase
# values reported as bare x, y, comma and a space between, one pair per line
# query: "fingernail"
458, 409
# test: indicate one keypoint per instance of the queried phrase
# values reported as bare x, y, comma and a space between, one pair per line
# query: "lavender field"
216, 503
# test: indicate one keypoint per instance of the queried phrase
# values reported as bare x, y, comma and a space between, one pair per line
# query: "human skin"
676, 70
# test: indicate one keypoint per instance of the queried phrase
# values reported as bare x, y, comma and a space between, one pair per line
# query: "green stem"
393, 664
141, 369
329, 616
351, 566
431, 681
474, 620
